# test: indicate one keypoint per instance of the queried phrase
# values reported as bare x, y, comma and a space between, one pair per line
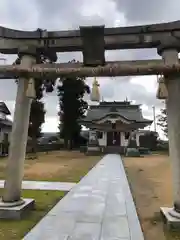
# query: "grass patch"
44, 201
2, 167
173, 235
157, 219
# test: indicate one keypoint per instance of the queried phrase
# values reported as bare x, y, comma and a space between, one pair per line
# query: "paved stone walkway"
99, 207
41, 185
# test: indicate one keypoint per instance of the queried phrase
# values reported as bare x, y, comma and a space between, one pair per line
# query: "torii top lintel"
146, 36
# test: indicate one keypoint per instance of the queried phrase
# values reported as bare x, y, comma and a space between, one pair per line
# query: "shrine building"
114, 122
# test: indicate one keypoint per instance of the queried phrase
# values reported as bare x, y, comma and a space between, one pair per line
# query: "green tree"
72, 108
162, 121
37, 114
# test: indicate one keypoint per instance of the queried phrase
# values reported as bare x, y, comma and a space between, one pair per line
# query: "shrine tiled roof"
124, 109
6, 122
4, 108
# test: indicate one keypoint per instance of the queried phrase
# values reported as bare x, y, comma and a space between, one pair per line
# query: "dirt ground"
151, 184
56, 166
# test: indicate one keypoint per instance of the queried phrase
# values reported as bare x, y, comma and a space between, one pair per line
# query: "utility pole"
154, 117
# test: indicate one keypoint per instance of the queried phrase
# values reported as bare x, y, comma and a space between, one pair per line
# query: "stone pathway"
99, 207
41, 185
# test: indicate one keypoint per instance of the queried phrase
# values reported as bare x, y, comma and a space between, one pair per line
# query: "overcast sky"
60, 15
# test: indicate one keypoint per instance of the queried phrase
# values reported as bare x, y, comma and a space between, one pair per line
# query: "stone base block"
170, 221
93, 150
132, 152
93, 153
17, 212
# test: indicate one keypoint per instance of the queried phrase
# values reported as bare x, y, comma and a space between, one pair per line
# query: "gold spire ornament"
95, 95
31, 92
162, 92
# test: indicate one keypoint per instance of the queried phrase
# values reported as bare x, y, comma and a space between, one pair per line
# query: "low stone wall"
113, 149
103, 150
46, 147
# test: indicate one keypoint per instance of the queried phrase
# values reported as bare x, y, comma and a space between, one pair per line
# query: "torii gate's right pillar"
169, 53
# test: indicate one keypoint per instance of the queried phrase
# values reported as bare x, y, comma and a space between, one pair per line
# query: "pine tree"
37, 115
162, 121
72, 108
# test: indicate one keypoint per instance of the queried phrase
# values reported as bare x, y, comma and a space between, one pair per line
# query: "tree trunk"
33, 148
70, 144
66, 143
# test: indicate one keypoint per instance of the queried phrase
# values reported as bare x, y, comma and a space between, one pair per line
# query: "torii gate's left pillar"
12, 206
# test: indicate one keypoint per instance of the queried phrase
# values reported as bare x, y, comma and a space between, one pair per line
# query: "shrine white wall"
103, 141
138, 134
124, 142
4, 131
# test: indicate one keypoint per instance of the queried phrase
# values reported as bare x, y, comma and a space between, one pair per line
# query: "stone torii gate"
92, 41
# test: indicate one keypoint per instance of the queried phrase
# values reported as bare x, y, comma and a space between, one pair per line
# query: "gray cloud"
121, 89
68, 15
55, 15
59, 15
147, 12
51, 105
